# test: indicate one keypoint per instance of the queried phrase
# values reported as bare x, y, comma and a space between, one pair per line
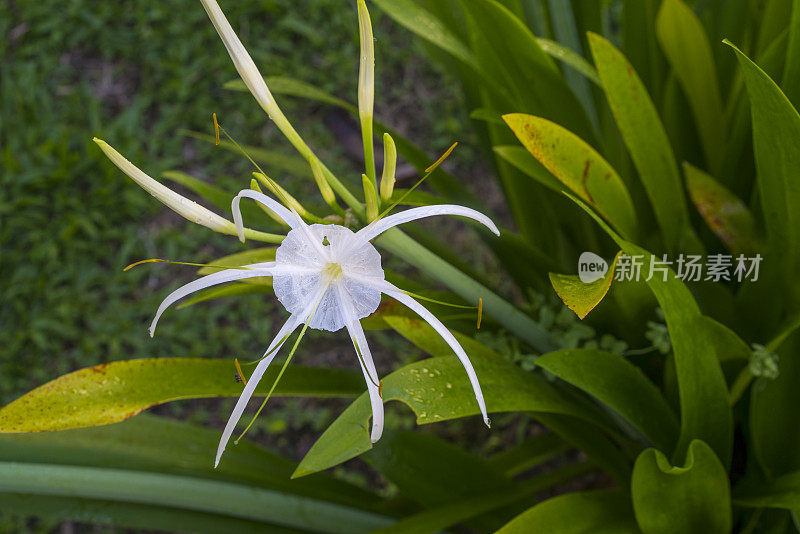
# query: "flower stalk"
371, 197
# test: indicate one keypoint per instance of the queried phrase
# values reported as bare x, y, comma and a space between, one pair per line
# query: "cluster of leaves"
612, 124
610, 132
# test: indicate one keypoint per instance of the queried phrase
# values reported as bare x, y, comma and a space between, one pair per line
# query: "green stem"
740, 385
262, 236
369, 151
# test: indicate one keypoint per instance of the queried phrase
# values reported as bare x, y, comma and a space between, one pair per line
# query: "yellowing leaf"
578, 166
579, 296
723, 212
112, 392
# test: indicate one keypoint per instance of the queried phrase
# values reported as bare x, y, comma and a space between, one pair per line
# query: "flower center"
333, 272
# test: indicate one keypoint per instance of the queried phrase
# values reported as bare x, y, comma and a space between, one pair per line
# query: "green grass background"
135, 73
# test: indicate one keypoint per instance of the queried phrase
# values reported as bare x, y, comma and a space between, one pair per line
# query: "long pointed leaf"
646, 140
112, 392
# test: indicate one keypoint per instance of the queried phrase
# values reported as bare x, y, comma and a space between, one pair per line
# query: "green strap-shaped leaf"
579, 167
646, 139
431, 471
276, 160
592, 441
705, 410
685, 44
189, 493
217, 196
693, 499
723, 212
570, 58
441, 517
228, 290
437, 389
253, 255
791, 71
776, 141
427, 26
620, 385
156, 444
640, 43
181, 456
780, 492
112, 392
528, 454
579, 296
596, 512
524, 161
565, 30
122, 515
774, 418
509, 54
426, 338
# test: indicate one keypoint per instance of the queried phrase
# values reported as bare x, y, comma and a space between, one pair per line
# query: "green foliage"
612, 118
576, 513
694, 498
109, 393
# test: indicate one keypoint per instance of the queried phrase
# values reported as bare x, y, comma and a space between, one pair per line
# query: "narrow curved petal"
228, 275
289, 217
367, 367
376, 228
272, 350
437, 325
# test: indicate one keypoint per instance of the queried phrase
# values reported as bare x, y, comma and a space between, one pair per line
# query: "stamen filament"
443, 303
361, 359
428, 172
441, 159
245, 154
283, 368
159, 260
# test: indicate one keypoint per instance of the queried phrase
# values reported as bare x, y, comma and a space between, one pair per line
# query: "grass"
135, 75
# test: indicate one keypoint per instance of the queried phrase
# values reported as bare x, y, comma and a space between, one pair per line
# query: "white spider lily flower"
329, 277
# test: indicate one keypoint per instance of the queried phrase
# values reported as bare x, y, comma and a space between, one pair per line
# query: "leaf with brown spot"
723, 212
579, 167
109, 393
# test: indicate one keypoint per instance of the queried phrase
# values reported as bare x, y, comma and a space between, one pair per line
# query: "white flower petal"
367, 365
272, 350
289, 217
274, 347
228, 275
376, 228
437, 325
